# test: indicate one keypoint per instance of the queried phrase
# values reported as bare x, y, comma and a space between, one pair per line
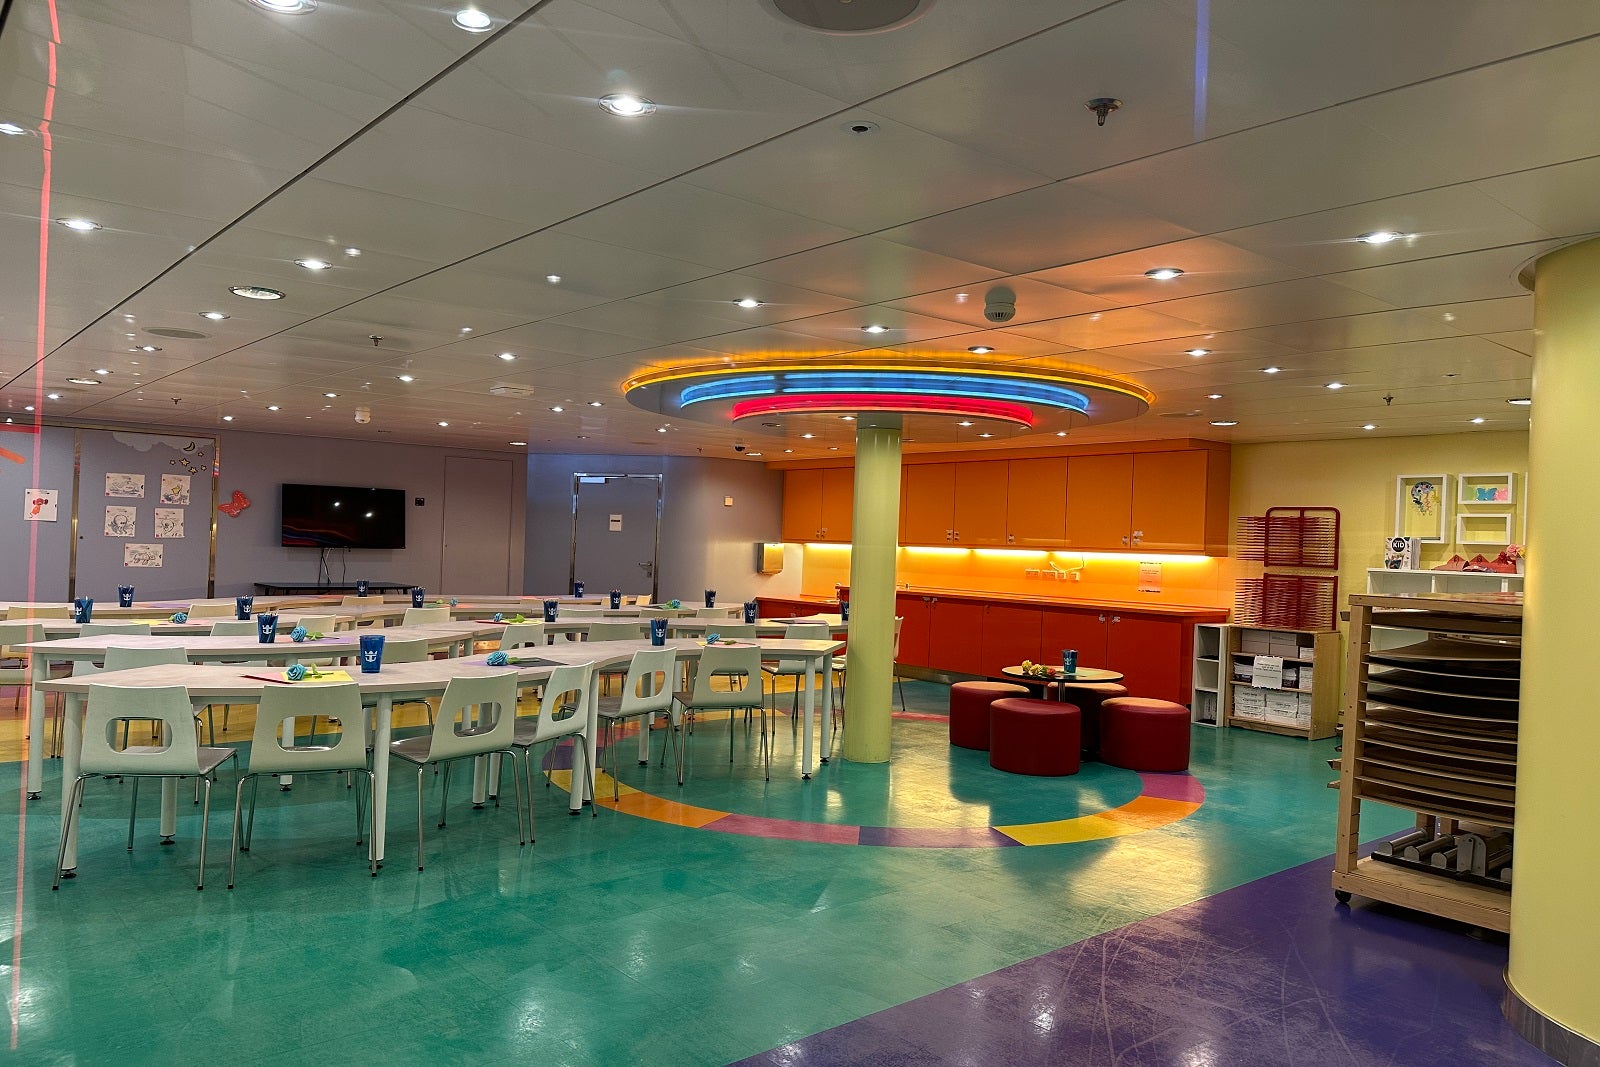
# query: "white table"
454, 638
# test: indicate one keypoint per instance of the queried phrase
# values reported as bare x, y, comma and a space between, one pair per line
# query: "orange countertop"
1201, 614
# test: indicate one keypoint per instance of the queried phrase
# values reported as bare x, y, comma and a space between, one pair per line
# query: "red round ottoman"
1028, 736
1088, 696
969, 710
1141, 734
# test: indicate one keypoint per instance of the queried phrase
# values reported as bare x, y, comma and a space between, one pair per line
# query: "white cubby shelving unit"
1384, 580
1210, 679
1491, 529
1501, 486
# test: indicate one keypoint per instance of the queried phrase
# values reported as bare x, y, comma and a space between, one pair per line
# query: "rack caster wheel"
285, 788
644, 763
168, 840
33, 796
1341, 896
824, 759
805, 777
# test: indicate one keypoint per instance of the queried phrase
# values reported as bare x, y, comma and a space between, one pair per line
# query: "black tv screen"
343, 516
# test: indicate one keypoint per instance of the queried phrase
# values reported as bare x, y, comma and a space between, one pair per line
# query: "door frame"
655, 550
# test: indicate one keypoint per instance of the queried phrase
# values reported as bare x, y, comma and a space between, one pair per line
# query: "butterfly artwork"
234, 506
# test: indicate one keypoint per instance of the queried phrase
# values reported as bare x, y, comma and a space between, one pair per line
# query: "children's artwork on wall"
130, 486
40, 505
169, 522
141, 555
175, 488
1424, 497
1422, 506
121, 521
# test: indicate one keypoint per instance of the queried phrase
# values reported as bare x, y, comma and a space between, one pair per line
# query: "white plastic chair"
425, 616
614, 631
646, 691
114, 629
563, 711
234, 628
523, 635
712, 613
739, 669
792, 667
477, 717
179, 757
272, 753
213, 609
839, 666
13, 659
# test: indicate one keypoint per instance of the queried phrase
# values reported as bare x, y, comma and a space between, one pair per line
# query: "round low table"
1082, 674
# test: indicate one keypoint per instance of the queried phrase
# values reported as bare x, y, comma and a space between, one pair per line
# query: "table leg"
71, 761
827, 706
36, 731
583, 753
382, 730
811, 718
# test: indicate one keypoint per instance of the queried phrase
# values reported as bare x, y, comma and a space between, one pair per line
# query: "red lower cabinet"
915, 617
1149, 651
1081, 628
1011, 634
955, 635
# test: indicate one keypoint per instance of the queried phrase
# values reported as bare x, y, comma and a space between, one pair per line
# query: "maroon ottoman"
1028, 736
1141, 734
969, 710
1088, 696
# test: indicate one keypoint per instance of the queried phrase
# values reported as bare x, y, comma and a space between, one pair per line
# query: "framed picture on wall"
1422, 507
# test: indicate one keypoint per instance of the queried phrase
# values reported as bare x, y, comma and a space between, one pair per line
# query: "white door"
477, 526
616, 532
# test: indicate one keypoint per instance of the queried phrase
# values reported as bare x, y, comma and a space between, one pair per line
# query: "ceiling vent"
522, 392
851, 16
176, 333
1180, 414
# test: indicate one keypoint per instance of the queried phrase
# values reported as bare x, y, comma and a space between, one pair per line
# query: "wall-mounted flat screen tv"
343, 516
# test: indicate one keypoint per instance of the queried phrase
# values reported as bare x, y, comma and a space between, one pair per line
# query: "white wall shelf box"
1483, 528
1486, 488
1422, 507
1384, 580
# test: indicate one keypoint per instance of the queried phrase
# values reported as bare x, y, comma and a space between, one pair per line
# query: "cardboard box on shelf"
1284, 646
1254, 642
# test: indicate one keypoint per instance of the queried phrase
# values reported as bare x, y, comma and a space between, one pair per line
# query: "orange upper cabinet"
838, 496
1036, 502
1099, 502
817, 503
929, 504
979, 516
1169, 501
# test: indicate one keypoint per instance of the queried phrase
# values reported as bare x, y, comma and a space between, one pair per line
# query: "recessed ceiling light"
84, 381
557, 408
1061, 433
787, 451
1334, 385
518, 443
57, 396
1270, 370
626, 105
472, 20
874, 328
255, 292
11, 129
553, 279
1369, 426
1213, 396
752, 455
661, 429
1223, 422
330, 396
404, 378
27, 407
980, 350
1479, 421
508, 356
227, 418
443, 423
286, 7
964, 422
1520, 401
101, 371
1380, 237
596, 404
748, 302
214, 316
807, 436
352, 251
986, 435
81, 225
145, 348
848, 418
312, 264
833, 448
1197, 352
1163, 274
961, 298
272, 407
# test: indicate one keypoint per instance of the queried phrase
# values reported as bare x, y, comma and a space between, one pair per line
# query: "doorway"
616, 533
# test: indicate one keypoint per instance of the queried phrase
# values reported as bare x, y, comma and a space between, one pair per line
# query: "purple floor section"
1270, 973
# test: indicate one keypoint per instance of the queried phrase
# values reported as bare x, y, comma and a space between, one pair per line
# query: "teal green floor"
613, 940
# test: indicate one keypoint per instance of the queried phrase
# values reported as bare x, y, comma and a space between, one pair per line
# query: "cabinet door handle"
1011, 539
1138, 535
947, 536
1116, 618
1102, 618
1124, 538
958, 535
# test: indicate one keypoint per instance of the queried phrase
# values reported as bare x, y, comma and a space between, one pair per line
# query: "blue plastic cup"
750, 608
1069, 660
266, 628
124, 596
550, 609
361, 587
243, 606
577, 588
418, 594
711, 598
616, 599
83, 609
658, 632
371, 653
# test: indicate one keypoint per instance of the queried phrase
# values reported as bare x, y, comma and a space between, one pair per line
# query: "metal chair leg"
233, 842
522, 836
133, 809
420, 769
66, 826
205, 820
444, 792
250, 828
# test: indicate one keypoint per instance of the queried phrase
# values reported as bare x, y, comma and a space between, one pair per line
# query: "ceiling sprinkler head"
1102, 106
375, 338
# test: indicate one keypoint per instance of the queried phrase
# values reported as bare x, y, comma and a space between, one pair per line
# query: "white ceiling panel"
1268, 305
870, 270
592, 270
1560, 198
1124, 326
1035, 300
1484, 275
1208, 265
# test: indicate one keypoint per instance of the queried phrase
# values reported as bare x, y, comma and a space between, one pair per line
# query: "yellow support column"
1555, 938
875, 536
